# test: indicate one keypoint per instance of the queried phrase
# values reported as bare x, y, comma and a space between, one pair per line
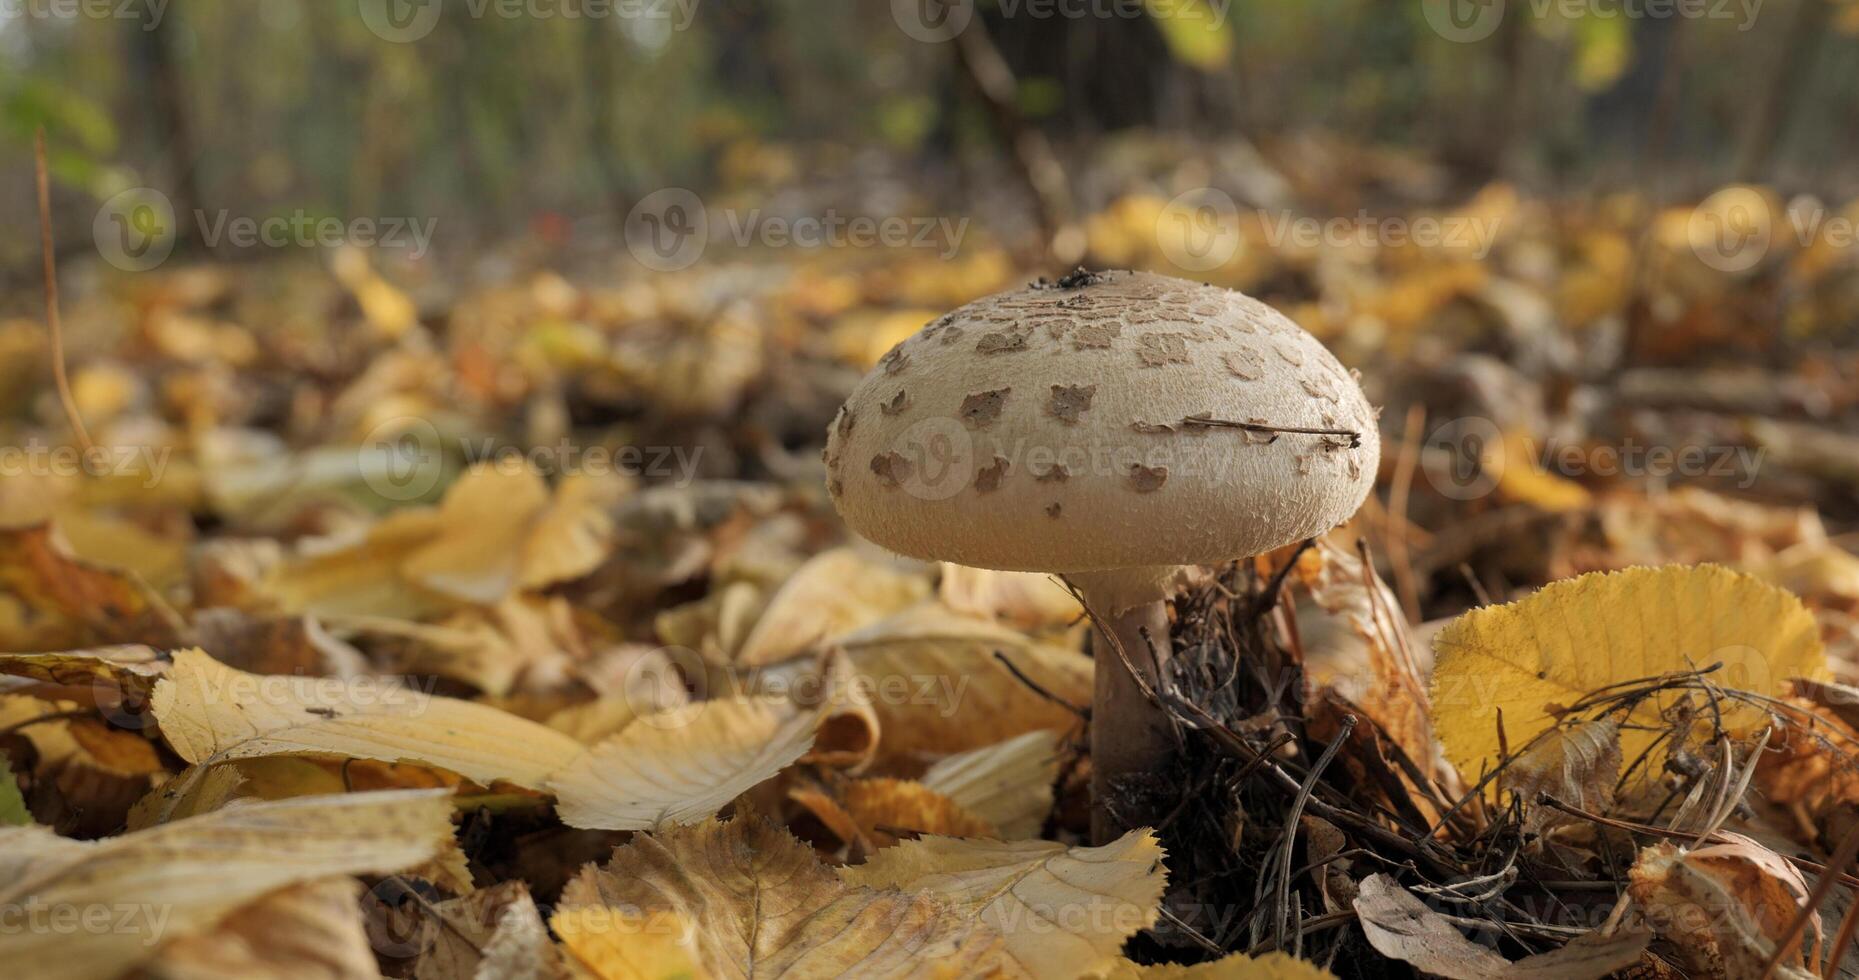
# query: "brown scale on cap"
1147, 479
897, 404
1068, 402
1157, 349
1056, 473
988, 478
894, 360
1001, 343
980, 409
1244, 363
891, 469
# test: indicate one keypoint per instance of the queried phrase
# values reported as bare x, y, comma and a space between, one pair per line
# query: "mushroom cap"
1043, 429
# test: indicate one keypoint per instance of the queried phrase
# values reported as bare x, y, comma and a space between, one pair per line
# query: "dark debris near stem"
1284, 798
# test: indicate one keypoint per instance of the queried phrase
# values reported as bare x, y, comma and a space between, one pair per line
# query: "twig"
52, 322
1354, 437
1717, 838
1268, 597
1399, 560
1291, 821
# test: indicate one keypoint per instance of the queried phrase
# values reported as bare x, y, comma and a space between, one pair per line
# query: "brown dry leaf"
1027, 601
683, 765
492, 934
1723, 906
1237, 966
1008, 784
210, 712
938, 687
1383, 678
128, 671
1580, 635
196, 790
1062, 911
314, 929
1577, 765
355, 573
834, 592
1401, 926
62, 602
1811, 767
518, 638
745, 898
477, 549
176, 880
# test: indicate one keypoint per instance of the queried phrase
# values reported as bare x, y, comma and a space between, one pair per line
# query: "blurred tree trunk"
162, 102
1110, 72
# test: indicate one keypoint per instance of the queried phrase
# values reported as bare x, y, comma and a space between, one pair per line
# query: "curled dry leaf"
1577, 765
834, 592
181, 878
208, 711
1378, 673
938, 687
1062, 911
1401, 926
314, 929
1008, 784
1580, 635
1723, 906
746, 899
681, 766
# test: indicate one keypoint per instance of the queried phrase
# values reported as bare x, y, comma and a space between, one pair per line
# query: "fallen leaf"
834, 592
1026, 601
313, 929
1062, 911
757, 903
1008, 784
1723, 907
65, 602
1578, 636
178, 879
1236, 966
681, 766
1401, 926
1577, 765
938, 687
208, 711
494, 934
880, 812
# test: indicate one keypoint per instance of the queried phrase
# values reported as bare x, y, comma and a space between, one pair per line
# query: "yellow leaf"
181, 878
757, 902
1023, 600
1577, 636
683, 765
208, 711
1061, 911
878, 812
620, 945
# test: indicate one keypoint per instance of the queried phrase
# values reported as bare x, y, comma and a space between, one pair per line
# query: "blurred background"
1594, 258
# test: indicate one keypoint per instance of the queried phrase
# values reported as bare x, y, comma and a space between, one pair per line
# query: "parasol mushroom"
1112, 428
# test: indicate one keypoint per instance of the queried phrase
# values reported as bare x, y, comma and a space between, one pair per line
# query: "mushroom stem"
1130, 734
1132, 739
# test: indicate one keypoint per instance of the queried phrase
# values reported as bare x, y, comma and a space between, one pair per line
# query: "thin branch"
52, 321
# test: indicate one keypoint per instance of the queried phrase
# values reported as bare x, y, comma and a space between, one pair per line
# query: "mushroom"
1113, 428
